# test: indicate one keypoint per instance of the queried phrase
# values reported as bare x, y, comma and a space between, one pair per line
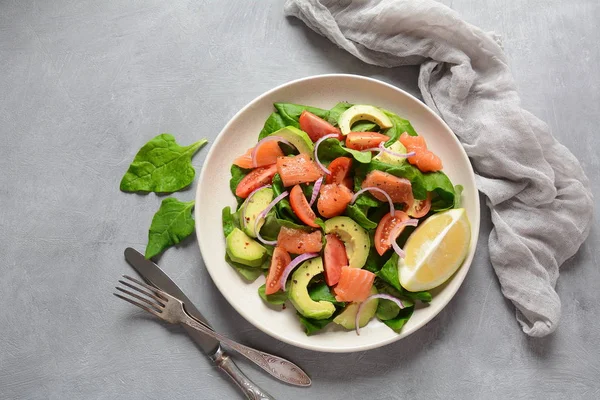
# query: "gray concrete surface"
84, 83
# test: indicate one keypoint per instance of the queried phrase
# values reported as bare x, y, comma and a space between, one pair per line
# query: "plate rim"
475, 225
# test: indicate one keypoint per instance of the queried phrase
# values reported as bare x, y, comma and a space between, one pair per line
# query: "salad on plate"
346, 213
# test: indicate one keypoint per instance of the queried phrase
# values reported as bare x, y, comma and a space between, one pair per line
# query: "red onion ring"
396, 231
374, 296
265, 140
248, 201
295, 262
263, 214
383, 192
315, 192
317, 144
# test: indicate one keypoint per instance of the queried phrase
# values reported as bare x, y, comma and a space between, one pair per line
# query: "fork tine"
158, 306
151, 295
155, 290
143, 307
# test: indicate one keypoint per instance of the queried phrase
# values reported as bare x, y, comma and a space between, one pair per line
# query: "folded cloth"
538, 194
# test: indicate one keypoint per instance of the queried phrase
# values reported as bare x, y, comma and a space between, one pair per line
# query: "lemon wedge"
435, 250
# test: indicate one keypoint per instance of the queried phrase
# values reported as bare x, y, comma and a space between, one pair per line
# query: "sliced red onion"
331, 135
263, 214
374, 296
396, 231
265, 140
248, 201
295, 262
315, 192
375, 189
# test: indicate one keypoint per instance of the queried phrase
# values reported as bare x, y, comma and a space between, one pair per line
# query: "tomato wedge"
255, 179
340, 172
365, 140
279, 261
420, 208
383, 239
335, 258
316, 127
301, 207
354, 285
333, 200
296, 241
266, 154
399, 189
297, 169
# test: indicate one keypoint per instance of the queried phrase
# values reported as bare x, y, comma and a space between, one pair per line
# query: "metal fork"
170, 309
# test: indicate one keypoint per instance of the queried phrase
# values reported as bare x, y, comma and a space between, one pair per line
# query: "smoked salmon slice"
354, 285
424, 159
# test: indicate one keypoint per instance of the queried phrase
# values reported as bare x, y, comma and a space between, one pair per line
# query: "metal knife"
209, 346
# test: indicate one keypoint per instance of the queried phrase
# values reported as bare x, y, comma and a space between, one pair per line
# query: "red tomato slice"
316, 127
301, 207
297, 169
354, 285
279, 261
340, 172
399, 189
365, 140
296, 241
335, 258
420, 208
383, 239
255, 179
266, 154
333, 200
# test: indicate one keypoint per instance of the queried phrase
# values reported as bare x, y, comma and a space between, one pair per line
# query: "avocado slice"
355, 239
388, 158
361, 112
254, 206
298, 291
242, 249
298, 138
347, 318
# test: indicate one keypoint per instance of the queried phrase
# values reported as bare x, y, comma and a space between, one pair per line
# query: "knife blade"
155, 276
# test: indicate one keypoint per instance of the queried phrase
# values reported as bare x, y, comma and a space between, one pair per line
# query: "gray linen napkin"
539, 196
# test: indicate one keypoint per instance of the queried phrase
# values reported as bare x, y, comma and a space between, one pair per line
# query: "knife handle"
249, 388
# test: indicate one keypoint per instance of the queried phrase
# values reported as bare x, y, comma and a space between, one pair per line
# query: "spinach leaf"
171, 224
313, 325
374, 261
321, 292
400, 126
161, 166
283, 207
336, 111
365, 126
401, 319
421, 182
360, 209
387, 309
389, 275
249, 273
290, 113
230, 221
278, 298
272, 124
458, 189
272, 226
331, 149
237, 174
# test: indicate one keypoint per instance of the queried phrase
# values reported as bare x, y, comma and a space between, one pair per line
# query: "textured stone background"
83, 84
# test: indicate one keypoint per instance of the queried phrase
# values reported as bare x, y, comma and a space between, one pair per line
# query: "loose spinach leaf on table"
171, 224
313, 325
161, 166
249, 273
290, 113
273, 123
331, 149
277, 298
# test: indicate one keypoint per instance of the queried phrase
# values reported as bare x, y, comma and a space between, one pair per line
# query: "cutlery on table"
166, 301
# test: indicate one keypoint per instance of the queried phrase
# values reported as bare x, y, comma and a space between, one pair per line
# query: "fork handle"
249, 388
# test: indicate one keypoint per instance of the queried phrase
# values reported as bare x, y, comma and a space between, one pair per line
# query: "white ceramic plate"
241, 133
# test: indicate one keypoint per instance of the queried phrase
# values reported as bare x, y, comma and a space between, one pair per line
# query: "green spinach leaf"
336, 111
400, 126
161, 166
321, 292
272, 124
283, 207
365, 126
401, 319
171, 224
237, 174
230, 221
331, 149
389, 275
290, 113
277, 299
313, 325
249, 273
